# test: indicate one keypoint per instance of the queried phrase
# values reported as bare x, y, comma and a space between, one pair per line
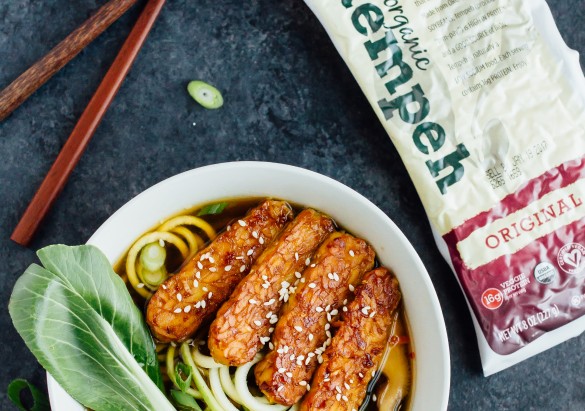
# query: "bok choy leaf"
78, 319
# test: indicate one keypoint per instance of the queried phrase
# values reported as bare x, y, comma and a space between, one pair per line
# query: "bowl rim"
442, 370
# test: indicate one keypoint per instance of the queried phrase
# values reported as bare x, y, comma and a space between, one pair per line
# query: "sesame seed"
307, 261
161, 242
330, 276
372, 314
344, 309
297, 274
274, 319
301, 357
212, 269
320, 359
197, 304
374, 398
312, 285
240, 257
344, 398
265, 285
302, 382
312, 265
310, 337
329, 318
210, 294
350, 381
261, 240
205, 289
271, 329
345, 301
255, 234
179, 297
258, 322
338, 389
334, 312
298, 328
242, 268
292, 357
308, 387
351, 253
198, 275
203, 304
326, 379
302, 280
195, 283
365, 310
269, 314
173, 344
351, 288
280, 388
228, 267
140, 285
264, 340
282, 370
271, 346
285, 284
289, 374
242, 223
164, 287
211, 259
336, 276
319, 309
199, 265
361, 375
346, 385
328, 334
250, 252
338, 397
187, 309
328, 307
296, 256
269, 302
285, 349
252, 301
373, 373
327, 326
178, 310
280, 351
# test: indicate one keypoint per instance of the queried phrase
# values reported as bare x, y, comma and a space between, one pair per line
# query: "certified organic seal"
571, 258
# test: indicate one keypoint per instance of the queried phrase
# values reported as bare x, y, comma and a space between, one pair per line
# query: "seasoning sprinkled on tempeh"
242, 325
357, 348
285, 373
186, 299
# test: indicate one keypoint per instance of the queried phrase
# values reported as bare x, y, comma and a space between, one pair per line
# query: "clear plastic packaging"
486, 106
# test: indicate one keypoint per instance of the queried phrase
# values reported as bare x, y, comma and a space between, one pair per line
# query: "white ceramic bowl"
347, 207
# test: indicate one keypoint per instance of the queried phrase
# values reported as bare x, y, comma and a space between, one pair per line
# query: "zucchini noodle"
173, 232
170, 362
139, 245
222, 390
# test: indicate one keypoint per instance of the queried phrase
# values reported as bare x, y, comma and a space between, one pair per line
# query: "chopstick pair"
90, 119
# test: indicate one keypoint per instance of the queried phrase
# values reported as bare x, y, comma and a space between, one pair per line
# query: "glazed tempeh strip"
358, 346
185, 300
244, 322
303, 331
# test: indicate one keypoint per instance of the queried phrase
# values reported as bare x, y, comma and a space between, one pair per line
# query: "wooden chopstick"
38, 74
86, 126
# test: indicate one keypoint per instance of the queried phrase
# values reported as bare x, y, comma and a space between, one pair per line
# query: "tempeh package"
486, 105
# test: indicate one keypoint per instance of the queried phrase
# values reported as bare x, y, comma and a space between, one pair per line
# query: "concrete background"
289, 99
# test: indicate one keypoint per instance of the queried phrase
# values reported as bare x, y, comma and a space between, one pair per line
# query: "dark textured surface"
289, 98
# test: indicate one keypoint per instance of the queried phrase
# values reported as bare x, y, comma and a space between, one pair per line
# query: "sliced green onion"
154, 278
153, 257
205, 94
212, 209
181, 370
184, 401
200, 383
40, 400
170, 362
